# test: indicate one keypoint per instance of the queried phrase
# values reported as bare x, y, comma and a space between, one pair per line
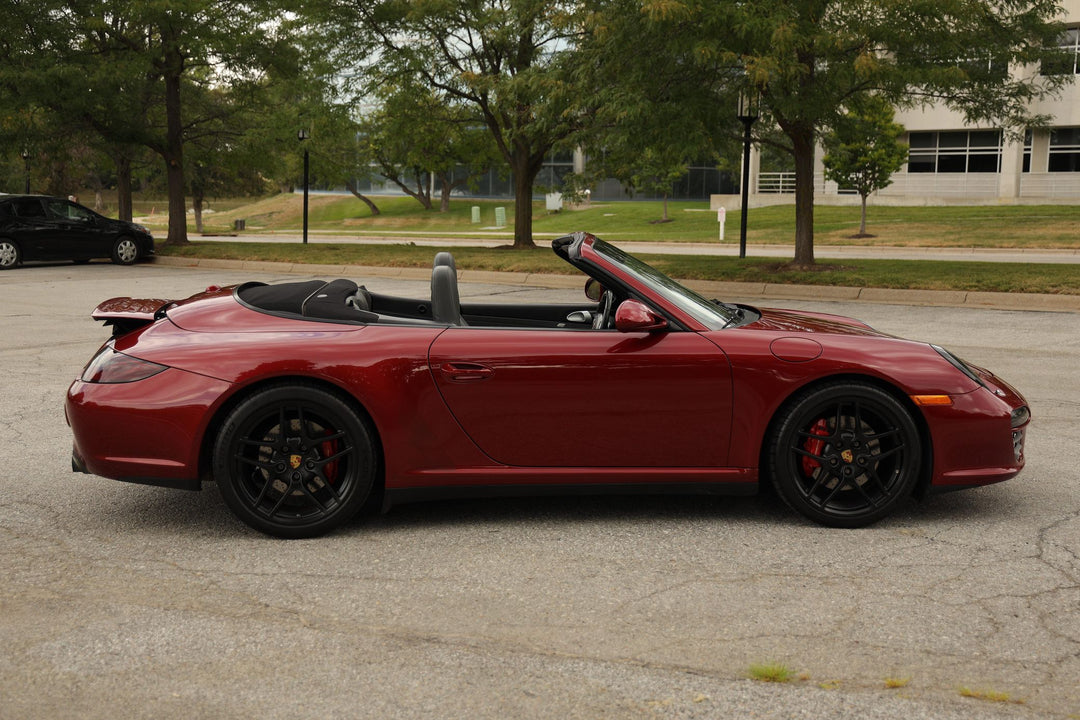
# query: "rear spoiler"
126, 314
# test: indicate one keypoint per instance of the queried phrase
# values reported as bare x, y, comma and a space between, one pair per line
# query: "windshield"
708, 313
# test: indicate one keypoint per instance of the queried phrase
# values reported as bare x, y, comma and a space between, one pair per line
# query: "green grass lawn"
912, 274
1056, 226
1013, 226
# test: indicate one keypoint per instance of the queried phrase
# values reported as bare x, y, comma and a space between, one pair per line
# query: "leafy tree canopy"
511, 62
806, 59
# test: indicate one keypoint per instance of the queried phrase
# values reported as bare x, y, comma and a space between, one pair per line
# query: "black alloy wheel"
125, 251
295, 461
845, 454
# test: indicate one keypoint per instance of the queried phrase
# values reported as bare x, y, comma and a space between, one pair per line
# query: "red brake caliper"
328, 448
814, 446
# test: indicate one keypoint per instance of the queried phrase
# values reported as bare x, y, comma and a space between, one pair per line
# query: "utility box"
553, 201
239, 224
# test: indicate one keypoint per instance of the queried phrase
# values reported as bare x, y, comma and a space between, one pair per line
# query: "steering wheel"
602, 319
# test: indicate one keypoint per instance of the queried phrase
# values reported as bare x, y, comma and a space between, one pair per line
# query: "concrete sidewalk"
765, 292
727, 248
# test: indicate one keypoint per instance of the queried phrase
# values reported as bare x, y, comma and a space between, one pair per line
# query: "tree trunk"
423, 186
421, 195
174, 144
123, 186
444, 195
665, 208
524, 175
803, 142
862, 219
197, 206
350, 185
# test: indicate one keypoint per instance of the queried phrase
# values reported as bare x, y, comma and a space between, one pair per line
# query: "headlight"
958, 364
109, 366
141, 228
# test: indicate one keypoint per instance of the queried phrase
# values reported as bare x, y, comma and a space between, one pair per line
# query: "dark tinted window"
28, 208
64, 210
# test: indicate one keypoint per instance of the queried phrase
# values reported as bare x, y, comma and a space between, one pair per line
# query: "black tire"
125, 251
303, 482
9, 254
845, 454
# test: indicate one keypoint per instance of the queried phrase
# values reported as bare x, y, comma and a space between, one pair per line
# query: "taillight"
109, 366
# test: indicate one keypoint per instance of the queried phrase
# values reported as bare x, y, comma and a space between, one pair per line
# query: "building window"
961, 151
1064, 150
1028, 139
1069, 62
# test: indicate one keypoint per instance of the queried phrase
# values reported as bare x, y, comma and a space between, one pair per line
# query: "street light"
26, 160
303, 135
749, 109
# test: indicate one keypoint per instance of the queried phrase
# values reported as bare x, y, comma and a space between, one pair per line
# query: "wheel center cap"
847, 456
295, 460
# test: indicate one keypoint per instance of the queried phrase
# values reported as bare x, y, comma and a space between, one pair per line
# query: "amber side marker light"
927, 400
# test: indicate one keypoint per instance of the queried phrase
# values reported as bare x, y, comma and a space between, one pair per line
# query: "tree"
646, 152
125, 69
806, 59
863, 150
417, 135
511, 61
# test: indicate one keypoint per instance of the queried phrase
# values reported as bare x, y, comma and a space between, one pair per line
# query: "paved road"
137, 602
728, 248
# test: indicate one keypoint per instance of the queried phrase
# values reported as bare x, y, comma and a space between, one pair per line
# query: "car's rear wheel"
9, 254
125, 251
845, 454
295, 461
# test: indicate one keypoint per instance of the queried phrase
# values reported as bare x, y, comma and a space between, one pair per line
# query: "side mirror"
593, 289
635, 316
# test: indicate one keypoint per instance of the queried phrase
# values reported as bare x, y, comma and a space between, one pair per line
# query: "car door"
587, 398
30, 228
77, 234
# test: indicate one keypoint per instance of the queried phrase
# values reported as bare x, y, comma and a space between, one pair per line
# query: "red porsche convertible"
306, 400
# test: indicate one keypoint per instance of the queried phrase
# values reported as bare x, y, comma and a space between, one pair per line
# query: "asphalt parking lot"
138, 602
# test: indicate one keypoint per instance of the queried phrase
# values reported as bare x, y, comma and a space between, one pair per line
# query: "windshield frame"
706, 312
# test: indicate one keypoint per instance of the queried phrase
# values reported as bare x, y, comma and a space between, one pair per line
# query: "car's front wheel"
125, 251
845, 454
295, 461
9, 254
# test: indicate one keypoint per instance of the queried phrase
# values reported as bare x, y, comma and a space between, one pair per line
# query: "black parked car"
38, 227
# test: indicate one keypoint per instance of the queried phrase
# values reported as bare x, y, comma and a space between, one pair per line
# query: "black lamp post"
26, 161
748, 113
303, 135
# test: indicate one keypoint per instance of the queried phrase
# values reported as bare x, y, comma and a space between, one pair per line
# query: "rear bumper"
148, 432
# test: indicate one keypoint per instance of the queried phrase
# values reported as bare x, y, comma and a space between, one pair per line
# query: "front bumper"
980, 438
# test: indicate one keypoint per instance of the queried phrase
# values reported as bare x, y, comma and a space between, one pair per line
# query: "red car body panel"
623, 399
458, 407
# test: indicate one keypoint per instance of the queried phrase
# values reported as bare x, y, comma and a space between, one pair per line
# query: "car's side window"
62, 210
28, 208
